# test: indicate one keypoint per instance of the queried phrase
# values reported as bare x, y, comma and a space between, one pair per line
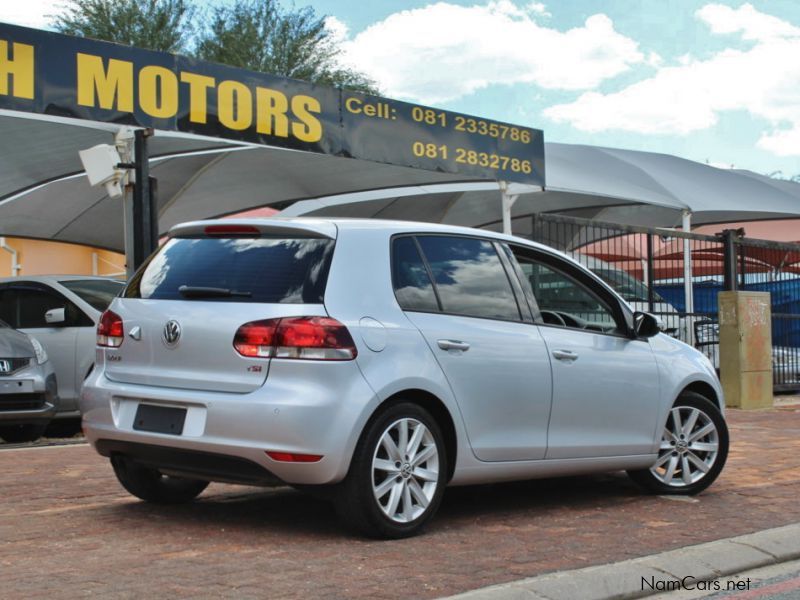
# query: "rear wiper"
189, 291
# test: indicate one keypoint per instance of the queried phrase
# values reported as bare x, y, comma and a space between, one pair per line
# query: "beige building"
36, 257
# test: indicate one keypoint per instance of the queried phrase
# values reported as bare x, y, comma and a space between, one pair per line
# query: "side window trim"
523, 283
429, 271
523, 306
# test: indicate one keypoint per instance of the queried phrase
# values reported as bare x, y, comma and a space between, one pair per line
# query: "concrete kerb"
627, 579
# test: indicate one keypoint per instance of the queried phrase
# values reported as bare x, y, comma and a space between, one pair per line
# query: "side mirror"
645, 325
55, 316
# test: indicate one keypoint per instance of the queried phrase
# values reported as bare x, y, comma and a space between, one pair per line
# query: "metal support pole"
742, 265
507, 202
729, 247
688, 288
650, 279
153, 215
688, 284
142, 243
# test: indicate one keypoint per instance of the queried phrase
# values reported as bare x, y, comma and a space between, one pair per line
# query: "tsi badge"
172, 333
5, 366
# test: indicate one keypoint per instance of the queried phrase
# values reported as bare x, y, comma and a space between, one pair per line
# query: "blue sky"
709, 81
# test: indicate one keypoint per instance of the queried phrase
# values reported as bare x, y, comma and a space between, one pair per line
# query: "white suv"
382, 361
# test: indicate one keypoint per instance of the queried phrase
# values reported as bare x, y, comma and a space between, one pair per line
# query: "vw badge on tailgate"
171, 333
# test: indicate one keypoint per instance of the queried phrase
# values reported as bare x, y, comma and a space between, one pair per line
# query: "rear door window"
470, 279
267, 270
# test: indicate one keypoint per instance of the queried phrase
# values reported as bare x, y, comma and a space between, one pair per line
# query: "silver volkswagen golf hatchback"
380, 361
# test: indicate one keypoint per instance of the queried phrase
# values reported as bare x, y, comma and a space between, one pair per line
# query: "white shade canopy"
607, 184
44, 194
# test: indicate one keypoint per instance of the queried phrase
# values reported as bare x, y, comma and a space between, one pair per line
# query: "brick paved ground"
68, 529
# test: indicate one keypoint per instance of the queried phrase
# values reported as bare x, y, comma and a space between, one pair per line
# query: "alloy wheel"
689, 447
405, 470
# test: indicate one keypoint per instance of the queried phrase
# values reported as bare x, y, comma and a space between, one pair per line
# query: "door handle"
565, 355
453, 345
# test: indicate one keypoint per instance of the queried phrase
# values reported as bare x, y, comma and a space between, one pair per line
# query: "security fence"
677, 275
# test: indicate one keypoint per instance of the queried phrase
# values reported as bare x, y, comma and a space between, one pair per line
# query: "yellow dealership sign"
49, 73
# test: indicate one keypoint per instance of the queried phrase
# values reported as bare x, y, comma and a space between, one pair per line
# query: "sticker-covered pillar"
745, 349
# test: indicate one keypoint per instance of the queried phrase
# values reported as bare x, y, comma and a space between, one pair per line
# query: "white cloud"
752, 24
763, 80
338, 28
30, 13
538, 8
444, 51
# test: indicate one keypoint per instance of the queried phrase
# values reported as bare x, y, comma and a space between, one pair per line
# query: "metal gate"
676, 275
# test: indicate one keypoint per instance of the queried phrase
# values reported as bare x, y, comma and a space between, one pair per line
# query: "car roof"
325, 226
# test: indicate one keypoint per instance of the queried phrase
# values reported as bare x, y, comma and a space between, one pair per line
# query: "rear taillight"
254, 339
110, 330
309, 338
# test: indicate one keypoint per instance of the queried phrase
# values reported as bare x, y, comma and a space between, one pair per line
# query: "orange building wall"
37, 257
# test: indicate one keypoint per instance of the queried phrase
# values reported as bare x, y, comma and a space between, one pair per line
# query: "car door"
30, 302
457, 292
605, 384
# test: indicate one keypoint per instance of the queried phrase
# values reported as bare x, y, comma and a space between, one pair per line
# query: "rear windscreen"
251, 269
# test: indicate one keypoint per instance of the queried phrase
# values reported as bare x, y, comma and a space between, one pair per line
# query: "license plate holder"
159, 419
16, 386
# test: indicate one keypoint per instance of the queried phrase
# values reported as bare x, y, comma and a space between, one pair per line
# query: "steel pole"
688, 287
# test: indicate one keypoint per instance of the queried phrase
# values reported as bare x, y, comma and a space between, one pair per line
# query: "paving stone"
67, 529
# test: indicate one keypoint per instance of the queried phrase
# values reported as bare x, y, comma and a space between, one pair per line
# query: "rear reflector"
110, 332
308, 338
291, 457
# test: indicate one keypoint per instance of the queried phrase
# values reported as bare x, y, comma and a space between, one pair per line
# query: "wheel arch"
438, 410
705, 390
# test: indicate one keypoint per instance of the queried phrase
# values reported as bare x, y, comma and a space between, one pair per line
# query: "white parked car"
61, 311
383, 361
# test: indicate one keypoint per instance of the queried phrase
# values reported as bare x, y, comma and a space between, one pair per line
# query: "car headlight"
706, 333
41, 355
785, 356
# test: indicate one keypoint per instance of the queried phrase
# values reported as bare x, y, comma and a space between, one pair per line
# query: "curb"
617, 581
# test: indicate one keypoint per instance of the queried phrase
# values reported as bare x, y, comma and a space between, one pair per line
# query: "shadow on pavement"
286, 511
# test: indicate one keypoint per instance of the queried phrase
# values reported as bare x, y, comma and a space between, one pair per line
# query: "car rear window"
269, 270
98, 293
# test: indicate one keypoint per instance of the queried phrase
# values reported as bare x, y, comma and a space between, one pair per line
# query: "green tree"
263, 36
163, 25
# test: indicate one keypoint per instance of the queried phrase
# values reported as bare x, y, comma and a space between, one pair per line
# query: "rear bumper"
190, 463
303, 408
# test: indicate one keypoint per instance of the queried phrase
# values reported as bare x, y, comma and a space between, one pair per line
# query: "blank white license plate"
16, 386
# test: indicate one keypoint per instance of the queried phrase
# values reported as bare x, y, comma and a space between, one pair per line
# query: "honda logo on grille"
5, 366
172, 333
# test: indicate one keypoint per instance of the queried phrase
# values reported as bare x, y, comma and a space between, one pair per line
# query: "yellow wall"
37, 257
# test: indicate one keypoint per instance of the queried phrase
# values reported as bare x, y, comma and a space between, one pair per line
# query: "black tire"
19, 434
355, 501
654, 484
151, 486
64, 428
